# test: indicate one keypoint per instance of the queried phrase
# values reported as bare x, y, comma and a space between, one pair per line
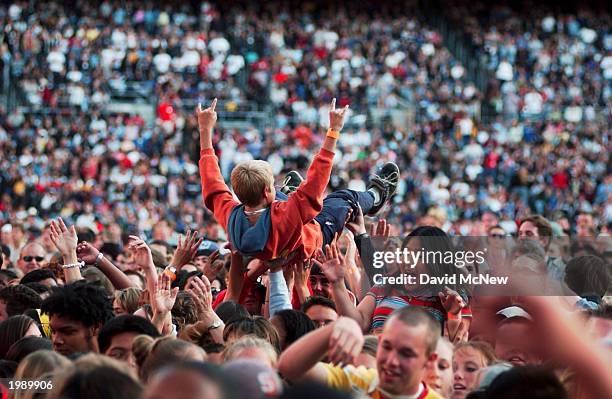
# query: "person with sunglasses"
32, 257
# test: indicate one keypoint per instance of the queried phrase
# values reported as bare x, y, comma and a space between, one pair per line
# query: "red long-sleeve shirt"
294, 231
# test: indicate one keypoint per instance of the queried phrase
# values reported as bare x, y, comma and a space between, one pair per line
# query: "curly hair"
19, 298
184, 311
80, 301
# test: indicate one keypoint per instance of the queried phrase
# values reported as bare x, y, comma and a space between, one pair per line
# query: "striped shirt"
389, 301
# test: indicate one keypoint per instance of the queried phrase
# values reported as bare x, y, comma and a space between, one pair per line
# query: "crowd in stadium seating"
546, 66
138, 292
454, 166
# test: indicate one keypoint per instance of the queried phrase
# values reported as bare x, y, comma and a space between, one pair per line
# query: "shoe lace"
391, 178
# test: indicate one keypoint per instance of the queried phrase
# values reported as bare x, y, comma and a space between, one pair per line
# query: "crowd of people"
128, 270
454, 167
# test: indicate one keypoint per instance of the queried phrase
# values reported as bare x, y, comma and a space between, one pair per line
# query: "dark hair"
80, 301
213, 347
12, 330
85, 234
37, 275
122, 324
435, 240
100, 382
588, 276
230, 310
543, 226
112, 249
258, 326
5, 250
7, 368
27, 345
9, 274
318, 300
524, 382
296, 325
19, 298
40, 288
96, 277
185, 277
210, 372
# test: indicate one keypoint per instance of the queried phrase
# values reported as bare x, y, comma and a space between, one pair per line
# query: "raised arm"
300, 361
207, 118
334, 268
91, 256
217, 196
65, 240
144, 259
235, 278
308, 198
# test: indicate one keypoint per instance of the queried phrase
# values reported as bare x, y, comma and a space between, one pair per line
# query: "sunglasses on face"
36, 258
497, 236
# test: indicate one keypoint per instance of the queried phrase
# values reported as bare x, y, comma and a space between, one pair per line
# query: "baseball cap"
206, 248
514, 311
256, 379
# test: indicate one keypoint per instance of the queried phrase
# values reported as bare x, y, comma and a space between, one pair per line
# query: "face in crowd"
32, 257
402, 357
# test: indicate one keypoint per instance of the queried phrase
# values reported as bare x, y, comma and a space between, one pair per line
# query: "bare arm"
334, 267
91, 256
144, 259
208, 321
300, 361
65, 240
236, 278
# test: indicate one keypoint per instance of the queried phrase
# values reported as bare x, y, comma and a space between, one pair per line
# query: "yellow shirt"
363, 382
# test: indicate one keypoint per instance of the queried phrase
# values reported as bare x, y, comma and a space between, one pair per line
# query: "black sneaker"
291, 183
385, 183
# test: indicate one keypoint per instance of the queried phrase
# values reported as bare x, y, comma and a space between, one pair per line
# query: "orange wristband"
334, 134
452, 316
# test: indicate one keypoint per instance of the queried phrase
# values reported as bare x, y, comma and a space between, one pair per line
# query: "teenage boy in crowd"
271, 226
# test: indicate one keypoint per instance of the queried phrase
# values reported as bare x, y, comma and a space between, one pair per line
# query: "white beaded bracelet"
73, 265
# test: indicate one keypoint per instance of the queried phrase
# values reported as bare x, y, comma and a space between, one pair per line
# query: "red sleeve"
219, 299
217, 196
466, 311
308, 198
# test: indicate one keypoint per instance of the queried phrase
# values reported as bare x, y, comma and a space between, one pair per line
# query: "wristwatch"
215, 324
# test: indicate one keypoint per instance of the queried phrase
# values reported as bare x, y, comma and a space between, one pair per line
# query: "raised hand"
209, 269
351, 250
87, 252
207, 117
165, 296
451, 301
357, 226
381, 229
333, 265
65, 239
186, 250
141, 251
200, 291
336, 116
345, 342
